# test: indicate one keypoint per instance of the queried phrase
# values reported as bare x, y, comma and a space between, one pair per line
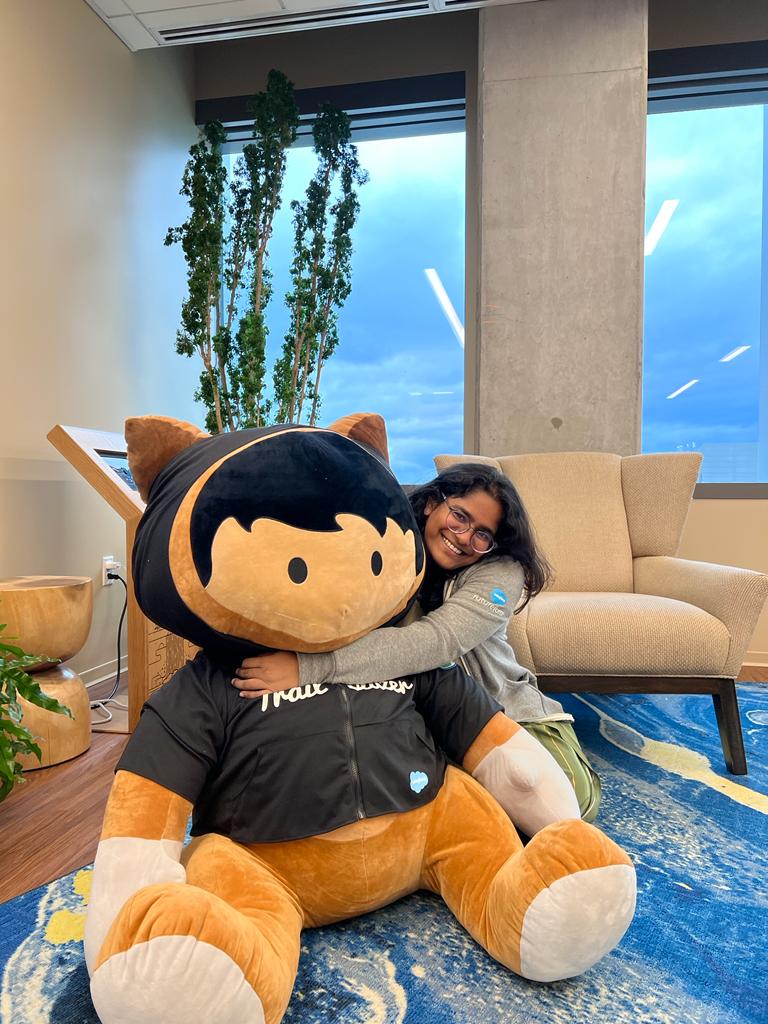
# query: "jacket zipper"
353, 765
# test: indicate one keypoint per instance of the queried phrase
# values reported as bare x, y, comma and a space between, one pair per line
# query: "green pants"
560, 740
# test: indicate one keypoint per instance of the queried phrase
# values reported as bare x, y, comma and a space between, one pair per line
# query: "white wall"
732, 532
94, 142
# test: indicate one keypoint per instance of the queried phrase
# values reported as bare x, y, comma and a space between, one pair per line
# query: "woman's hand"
267, 673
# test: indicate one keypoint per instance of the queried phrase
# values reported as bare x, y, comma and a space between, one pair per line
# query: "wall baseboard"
104, 675
753, 672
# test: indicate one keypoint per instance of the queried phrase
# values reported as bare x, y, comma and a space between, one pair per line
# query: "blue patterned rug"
695, 954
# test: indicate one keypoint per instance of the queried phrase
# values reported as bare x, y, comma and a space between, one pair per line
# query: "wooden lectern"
154, 654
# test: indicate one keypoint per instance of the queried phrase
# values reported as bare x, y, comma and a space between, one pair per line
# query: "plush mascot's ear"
366, 427
152, 442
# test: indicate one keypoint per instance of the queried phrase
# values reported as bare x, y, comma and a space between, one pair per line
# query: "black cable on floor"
100, 705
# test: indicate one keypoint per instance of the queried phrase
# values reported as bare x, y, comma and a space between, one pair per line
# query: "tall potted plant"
321, 272
226, 254
15, 739
225, 243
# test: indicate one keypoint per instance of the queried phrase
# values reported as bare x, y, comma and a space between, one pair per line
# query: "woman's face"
451, 550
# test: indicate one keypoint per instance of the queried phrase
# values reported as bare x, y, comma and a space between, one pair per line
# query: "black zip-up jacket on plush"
305, 761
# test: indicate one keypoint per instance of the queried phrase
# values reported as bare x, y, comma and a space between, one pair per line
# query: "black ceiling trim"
697, 77
720, 60
414, 92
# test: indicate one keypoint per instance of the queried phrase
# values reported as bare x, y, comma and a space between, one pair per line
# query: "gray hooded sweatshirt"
469, 628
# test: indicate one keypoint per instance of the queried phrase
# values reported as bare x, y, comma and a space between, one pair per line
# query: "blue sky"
399, 356
702, 287
396, 346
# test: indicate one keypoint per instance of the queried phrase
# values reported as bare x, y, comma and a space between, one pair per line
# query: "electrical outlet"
108, 564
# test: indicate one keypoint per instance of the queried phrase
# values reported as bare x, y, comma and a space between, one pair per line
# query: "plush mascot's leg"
548, 910
224, 948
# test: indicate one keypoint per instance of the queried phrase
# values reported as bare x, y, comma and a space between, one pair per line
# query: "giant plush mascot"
323, 802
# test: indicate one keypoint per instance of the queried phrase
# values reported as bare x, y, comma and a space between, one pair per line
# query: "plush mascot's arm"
522, 774
514, 767
140, 845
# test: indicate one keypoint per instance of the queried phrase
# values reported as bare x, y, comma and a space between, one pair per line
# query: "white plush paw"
173, 979
575, 921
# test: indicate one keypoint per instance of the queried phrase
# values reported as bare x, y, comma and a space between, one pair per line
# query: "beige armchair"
623, 614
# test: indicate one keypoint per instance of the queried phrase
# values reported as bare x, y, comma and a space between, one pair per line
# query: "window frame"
377, 109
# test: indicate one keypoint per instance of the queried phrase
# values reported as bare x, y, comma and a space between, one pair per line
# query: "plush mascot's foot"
578, 889
177, 954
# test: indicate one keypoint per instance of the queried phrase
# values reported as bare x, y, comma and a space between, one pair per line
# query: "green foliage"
321, 272
201, 238
226, 262
221, 265
15, 739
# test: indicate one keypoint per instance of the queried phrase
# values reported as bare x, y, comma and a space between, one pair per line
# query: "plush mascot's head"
284, 537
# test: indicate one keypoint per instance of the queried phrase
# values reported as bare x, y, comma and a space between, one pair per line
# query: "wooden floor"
50, 824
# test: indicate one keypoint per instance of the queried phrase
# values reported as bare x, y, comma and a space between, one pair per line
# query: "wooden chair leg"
729, 724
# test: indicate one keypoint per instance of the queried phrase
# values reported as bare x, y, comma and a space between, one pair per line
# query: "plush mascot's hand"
523, 776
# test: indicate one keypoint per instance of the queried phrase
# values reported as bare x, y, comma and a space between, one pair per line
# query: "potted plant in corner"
15, 739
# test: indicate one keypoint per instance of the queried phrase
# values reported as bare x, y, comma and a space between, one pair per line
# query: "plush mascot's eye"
297, 570
376, 563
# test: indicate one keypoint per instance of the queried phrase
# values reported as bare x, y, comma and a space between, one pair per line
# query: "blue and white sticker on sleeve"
498, 596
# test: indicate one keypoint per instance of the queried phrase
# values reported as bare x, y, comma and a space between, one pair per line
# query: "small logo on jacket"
418, 781
498, 596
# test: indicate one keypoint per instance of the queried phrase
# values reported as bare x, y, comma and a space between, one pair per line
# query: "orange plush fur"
213, 930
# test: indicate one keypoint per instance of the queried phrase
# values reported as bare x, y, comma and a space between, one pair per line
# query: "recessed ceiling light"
736, 352
684, 388
445, 303
659, 226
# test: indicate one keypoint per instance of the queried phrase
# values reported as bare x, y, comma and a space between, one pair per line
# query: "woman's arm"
484, 597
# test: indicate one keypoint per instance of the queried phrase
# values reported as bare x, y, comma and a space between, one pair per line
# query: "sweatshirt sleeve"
482, 600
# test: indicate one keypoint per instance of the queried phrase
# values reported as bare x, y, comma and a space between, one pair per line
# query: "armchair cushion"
624, 634
577, 508
657, 492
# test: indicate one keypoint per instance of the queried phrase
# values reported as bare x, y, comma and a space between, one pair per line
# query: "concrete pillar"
556, 359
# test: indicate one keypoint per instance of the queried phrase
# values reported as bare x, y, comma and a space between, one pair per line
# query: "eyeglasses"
482, 541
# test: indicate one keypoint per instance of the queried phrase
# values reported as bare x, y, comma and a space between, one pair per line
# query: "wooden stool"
51, 616
58, 737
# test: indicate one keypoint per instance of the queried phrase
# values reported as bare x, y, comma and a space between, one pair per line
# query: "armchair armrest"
732, 595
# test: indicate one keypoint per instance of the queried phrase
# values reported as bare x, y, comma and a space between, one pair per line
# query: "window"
401, 334
705, 364
400, 349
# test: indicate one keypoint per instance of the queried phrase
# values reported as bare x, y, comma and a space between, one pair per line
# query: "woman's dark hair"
514, 537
